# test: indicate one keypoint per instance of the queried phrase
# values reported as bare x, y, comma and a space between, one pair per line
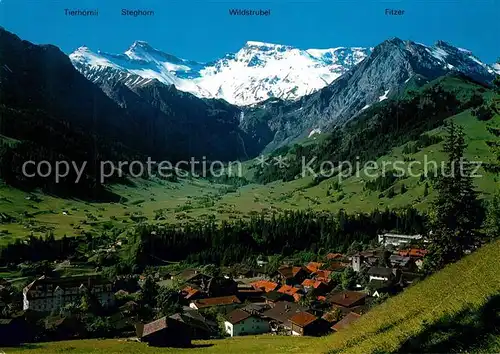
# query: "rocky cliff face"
393, 66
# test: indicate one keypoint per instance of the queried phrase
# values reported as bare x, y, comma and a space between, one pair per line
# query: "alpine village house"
47, 294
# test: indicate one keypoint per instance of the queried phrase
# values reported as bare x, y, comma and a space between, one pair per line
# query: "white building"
240, 323
47, 294
397, 239
382, 273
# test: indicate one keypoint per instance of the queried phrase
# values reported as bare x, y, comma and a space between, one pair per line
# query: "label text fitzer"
247, 12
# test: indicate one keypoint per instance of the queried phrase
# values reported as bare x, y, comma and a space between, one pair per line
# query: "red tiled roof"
322, 275
413, 252
297, 297
313, 266
308, 282
346, 321
321, 298
312, 283
302, 319
296, 270
216, 301
265, 285
189, 291
347, 298
331, 256
288, 289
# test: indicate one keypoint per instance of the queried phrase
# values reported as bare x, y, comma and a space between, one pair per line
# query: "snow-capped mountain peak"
257, 72
260, 70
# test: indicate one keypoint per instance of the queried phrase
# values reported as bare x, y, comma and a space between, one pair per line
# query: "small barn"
164, 332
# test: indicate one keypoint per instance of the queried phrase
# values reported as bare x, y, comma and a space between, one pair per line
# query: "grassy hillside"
189, 199
23, 214
457, 309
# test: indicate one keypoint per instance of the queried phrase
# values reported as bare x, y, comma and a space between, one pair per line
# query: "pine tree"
456, 213
426, 189
149, 293
493, 217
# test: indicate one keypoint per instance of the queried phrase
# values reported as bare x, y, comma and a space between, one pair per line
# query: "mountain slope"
152, 118
393, 66
43, 78
255, 73
181, 125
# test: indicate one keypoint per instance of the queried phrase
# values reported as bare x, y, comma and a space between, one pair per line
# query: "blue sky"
203, 30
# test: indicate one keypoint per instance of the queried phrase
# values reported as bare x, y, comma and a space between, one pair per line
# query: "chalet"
64, 328
47, 294
289, 290
191, 293
231, 300
281, 313
198, 326
185, 275
347, 299
164, 332
251, 295
334, 256
292, 292
265, 285
336, 266
313, 266
323, 275
273, 297
379, 287
416, 254
317, 286
397, 239
385, 274
398, 261
290, 275
239, 323
346, 321
302, 324
413, 252
256, 308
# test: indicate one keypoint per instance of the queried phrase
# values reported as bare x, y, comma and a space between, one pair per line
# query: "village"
311, 299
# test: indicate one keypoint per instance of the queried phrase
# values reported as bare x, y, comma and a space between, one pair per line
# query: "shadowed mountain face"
154, 119
183, 123
393, 66
43, 78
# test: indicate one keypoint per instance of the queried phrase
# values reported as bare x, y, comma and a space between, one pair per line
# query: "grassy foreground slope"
444, 313
465, 287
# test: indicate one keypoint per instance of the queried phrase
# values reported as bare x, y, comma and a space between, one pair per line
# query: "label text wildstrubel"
249, 12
